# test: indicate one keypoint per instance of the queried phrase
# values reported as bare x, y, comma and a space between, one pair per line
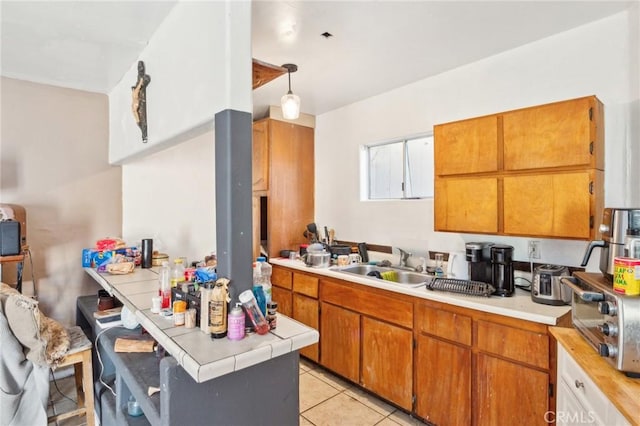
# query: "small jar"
272, 318
179, 309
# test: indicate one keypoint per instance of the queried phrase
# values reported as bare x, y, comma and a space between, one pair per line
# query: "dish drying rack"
470, 288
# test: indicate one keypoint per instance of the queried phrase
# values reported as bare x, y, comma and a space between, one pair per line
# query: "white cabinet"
579, 400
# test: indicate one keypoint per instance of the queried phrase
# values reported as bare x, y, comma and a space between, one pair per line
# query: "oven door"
585, 315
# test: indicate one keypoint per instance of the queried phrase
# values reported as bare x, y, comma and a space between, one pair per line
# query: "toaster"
546, 287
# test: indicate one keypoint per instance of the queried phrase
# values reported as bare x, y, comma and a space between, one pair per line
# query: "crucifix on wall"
139, 100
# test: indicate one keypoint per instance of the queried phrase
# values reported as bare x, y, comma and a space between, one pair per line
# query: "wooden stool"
79, 355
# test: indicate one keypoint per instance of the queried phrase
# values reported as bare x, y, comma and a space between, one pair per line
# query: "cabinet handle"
579, 384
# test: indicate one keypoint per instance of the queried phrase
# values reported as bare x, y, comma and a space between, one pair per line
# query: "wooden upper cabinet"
260, 164
561, 143
554, 135
468, 146
466, 205
557, 205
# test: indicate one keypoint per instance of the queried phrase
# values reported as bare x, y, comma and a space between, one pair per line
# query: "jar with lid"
177, 272
179, 309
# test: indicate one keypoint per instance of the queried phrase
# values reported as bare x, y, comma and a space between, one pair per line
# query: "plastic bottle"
265, 272
236, 323
250, 305
164, 288
177, 273
258, 291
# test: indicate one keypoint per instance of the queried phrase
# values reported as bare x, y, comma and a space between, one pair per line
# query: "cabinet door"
284, 299
506, 393
570, 412
291, 185
552, 135
466, 205
443, 382
550, 205
468, 146
305, 310
260, 163
387, 361
340, 341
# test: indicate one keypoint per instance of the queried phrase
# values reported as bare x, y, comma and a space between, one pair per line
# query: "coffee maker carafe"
479, 257
502, 276
615, 222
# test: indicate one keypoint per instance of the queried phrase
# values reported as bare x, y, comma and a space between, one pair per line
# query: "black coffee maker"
502, 277
479, 257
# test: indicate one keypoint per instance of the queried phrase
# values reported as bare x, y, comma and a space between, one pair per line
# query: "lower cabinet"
366, 348
387, 361
306, 310
443, 382
509, 393
284, 299
580, 401
340, 341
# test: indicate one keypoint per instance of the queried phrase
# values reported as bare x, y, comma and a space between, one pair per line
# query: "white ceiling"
376, 45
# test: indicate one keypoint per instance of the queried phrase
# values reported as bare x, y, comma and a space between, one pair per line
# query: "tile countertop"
202, 357
518, 306
622, 391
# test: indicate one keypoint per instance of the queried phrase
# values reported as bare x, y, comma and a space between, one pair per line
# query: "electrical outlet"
534, 249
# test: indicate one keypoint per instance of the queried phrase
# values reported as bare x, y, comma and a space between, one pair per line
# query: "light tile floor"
325, 400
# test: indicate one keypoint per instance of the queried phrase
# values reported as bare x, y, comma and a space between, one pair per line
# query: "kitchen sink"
372, 271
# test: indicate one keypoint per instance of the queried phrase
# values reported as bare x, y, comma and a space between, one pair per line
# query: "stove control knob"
607, 350
607, 308
608, 329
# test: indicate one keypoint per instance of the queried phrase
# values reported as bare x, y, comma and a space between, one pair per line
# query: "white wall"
170, 197
596, 59
199, 62
53, 161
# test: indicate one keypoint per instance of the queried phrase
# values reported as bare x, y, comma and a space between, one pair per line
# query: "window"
399, 169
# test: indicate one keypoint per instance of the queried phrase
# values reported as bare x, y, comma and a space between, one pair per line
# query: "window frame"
365, 163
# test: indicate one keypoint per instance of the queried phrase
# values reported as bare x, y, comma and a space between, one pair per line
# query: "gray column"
233, 146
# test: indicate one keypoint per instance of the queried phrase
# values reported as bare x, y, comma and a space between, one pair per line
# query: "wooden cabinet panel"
562, 142
291, 185
552, 135
284, 299
260, 163
468, 146
281, 277
466, 205
387, 361
520, 345
305, 284
445, 324
372, 303
305, 310
551, 205
340, 341
508, 393
443, 382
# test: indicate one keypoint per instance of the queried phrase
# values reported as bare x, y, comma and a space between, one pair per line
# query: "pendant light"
290, 102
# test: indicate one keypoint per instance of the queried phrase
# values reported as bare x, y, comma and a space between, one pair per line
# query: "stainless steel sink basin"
369, 271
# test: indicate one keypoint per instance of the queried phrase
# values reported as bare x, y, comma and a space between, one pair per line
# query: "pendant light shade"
290, 102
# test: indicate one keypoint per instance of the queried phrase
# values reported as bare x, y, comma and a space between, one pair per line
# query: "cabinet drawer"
580, 385
370, 303
305, 284
281, 277
520, 345
447, 325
